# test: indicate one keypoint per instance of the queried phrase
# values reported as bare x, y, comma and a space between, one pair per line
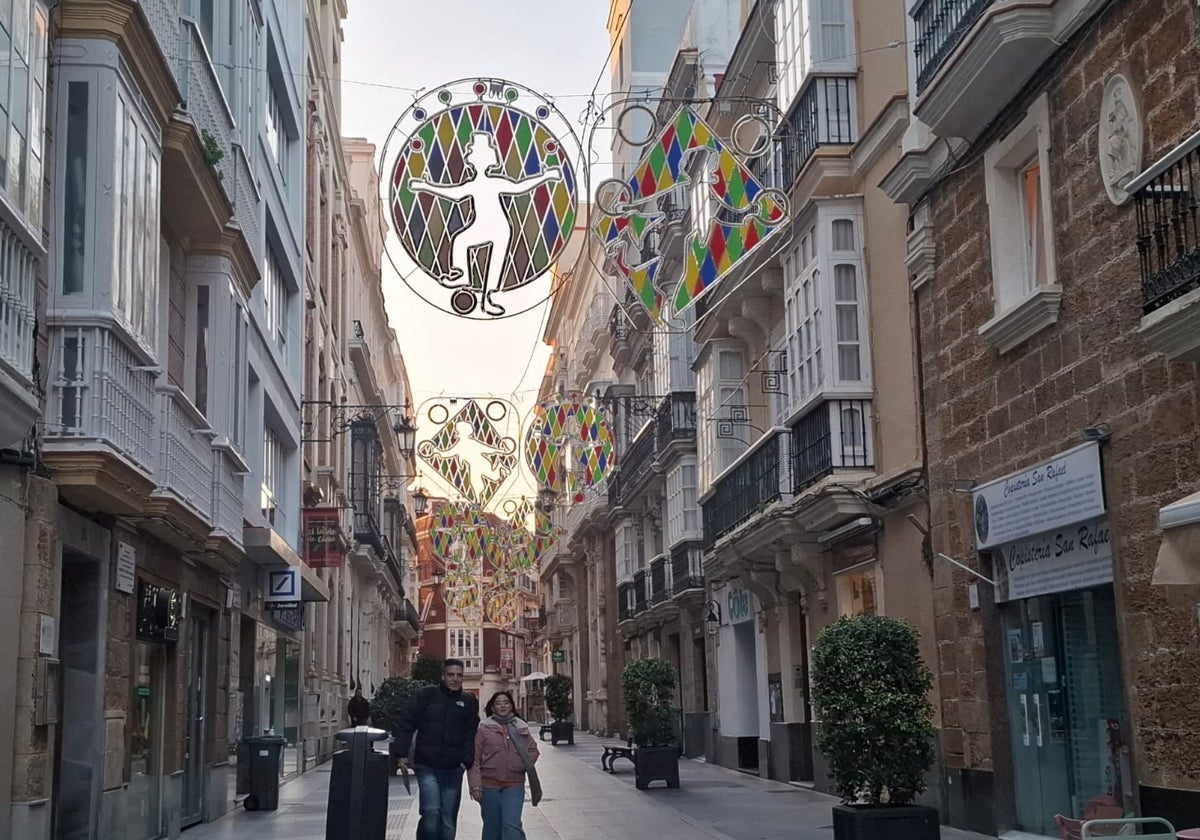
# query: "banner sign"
1074, 557
323, 544
1065, 490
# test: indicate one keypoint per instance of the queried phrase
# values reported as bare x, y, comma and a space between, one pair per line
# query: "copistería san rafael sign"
1065, 490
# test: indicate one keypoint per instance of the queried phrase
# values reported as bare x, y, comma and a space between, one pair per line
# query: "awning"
1178, 561
536, 675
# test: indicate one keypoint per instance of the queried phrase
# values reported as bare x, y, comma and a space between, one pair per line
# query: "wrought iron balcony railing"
1168, 238
647, 426
834, 435
745, 490
676, 418
660, 579
822, 116
940, 25
687, 567
618, 326
407, 614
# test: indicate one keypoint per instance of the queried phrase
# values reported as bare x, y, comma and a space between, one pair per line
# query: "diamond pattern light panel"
569, 446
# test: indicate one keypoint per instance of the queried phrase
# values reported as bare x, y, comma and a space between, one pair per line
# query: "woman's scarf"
509, 722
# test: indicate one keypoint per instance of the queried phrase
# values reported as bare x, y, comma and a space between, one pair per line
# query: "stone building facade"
1059, 694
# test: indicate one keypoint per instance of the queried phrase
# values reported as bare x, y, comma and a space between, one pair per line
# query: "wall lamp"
1096, 434
343, 416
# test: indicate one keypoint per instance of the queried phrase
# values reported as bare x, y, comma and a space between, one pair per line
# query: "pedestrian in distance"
359, 709
505, 752
444, 719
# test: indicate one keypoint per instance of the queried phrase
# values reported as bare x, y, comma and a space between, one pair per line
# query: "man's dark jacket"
445, 722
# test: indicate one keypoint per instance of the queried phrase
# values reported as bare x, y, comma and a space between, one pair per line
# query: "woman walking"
505, 751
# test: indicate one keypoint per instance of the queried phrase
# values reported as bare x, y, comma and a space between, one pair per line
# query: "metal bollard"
347, 817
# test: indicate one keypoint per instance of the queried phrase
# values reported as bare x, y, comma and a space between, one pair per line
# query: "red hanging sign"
323, 543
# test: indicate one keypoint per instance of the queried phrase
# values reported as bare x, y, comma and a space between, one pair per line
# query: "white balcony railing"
228, 498
101, 392
18, 275
186, 464
203, 100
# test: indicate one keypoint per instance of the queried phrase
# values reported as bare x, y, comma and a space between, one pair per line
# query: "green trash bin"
265, 752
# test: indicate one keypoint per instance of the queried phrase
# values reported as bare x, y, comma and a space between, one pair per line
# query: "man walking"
444, 718
359, 709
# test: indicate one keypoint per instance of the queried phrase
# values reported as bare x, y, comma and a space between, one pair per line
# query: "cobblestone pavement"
581, 803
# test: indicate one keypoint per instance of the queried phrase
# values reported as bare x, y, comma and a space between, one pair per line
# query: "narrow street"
581, 803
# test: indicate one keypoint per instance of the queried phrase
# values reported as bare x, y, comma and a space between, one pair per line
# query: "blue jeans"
502, 813
441, 793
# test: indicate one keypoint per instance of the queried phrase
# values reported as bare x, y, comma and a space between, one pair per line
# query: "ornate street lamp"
406, 432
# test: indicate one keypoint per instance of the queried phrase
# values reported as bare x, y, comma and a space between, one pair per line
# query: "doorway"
146, 740
80, 738
195, 776
1066, 707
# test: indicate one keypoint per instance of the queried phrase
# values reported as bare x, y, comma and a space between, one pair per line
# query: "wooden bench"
614, 751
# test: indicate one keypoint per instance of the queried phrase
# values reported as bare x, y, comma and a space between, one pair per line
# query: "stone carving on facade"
1120, 138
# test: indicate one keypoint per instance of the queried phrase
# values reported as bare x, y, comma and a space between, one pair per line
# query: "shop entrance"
1066, 708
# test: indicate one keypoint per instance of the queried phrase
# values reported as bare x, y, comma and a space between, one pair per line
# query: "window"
857, 592
201, 352
683, 511
628, 554
466, 644
239, 379
845, 292
722, 430
23, 107
802, 316
1016, 180
137, 236
813, 36
275, 300
276, 130
273, 455
75, 215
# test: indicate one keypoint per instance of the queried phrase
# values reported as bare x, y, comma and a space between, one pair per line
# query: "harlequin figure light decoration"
732, 213
469, 447
569, 445
482, 194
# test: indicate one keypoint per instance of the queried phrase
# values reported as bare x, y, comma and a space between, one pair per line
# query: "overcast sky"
551, 46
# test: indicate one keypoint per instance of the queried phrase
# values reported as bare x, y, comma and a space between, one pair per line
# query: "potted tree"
871, 689
427, 668
649, 685
561, 709
389, 701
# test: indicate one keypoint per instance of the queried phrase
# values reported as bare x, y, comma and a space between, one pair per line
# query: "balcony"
639, 591
405, 620
973, 56
823, 115
834, 435
1168, 243
185, 466
562, 619
660, 580
655, 425
757, 478
618, 335
625, 608
676, 420
18, 278
687, 568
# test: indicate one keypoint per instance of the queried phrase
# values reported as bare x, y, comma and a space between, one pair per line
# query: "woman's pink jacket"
497, 763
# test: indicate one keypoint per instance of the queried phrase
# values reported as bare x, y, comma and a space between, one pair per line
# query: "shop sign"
323, 544
159, 611
1073, 557
283, 585
289, 615
558, 656
506, 659
1063, 491
739, 605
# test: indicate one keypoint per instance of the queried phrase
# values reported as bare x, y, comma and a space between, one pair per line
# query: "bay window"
683, 511
466, 644
825, 307
273, 466
628, 551
814, 36
275, 300
135, 197
722, 397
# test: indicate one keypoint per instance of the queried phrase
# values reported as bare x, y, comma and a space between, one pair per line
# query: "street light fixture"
406, 432
420, 501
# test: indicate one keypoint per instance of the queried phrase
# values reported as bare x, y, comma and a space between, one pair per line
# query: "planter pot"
562, 730
656, 764
885, 822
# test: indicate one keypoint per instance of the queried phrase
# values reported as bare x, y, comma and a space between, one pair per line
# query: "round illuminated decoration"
482, 193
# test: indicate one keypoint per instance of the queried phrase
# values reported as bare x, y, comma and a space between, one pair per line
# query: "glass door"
145, 765
195, 765
1037, 714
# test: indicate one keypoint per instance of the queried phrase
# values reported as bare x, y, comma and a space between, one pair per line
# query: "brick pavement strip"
581, 803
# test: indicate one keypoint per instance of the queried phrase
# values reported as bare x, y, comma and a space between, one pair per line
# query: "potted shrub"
649, 685
389, 701
870, 690
561, 709
427, 668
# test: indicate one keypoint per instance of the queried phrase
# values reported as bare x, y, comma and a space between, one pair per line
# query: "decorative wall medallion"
1120, 142
482, 195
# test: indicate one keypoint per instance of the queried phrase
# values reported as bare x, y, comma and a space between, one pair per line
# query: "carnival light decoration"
469, 449
569, 445
482, 194
732, 213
